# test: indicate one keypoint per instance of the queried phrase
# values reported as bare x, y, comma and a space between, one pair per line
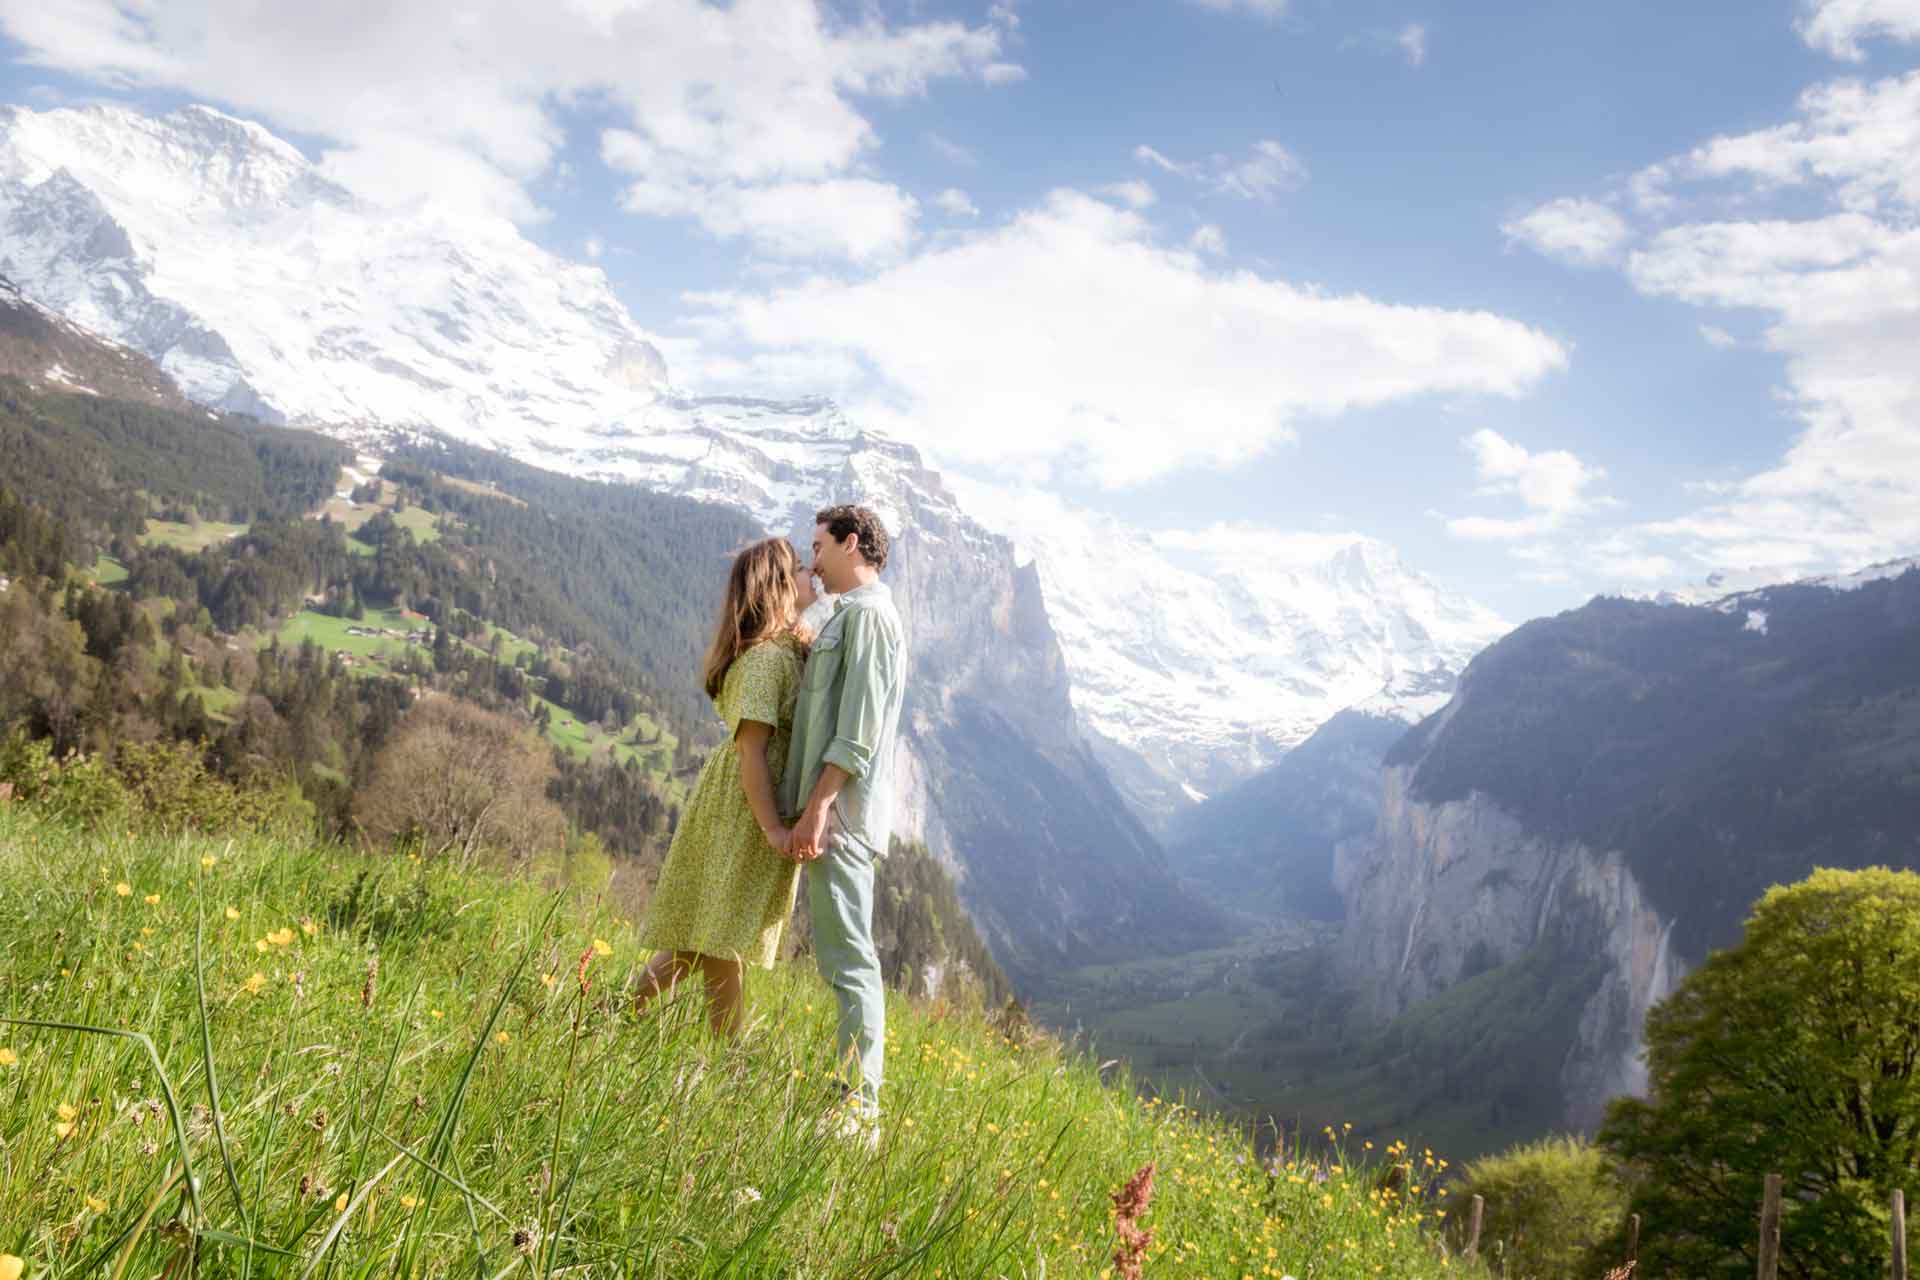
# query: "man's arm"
870, 663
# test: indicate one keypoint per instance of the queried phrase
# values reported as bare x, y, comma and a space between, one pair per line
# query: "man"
839, 779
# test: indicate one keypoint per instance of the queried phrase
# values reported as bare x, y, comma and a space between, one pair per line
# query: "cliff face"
1610, 791
1442, 892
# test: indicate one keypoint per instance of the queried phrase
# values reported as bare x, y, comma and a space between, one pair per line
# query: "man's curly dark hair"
847, 518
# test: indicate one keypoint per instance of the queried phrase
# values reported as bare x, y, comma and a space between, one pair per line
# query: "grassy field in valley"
260, 1057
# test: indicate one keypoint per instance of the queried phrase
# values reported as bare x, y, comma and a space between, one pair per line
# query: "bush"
171, 790
1549, 1204
77, 789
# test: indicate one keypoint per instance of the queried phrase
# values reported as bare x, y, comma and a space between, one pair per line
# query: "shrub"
1549, 1203
77, 789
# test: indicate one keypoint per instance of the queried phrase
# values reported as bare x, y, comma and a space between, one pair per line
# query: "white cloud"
1147, 155
1270, 170
1069, 342
1209, 239
1003, 73
1135, 193
1717, 337
1838, 27
1260, 8
952, 152
594, 246
1583, 232
957, 202
467, 100
1552, 486
1813, 224
1265, 172
1413, 42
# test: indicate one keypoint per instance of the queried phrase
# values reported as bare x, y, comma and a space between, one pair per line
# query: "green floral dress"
724, 891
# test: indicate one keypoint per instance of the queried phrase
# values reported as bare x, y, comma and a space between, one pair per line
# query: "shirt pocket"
823, 663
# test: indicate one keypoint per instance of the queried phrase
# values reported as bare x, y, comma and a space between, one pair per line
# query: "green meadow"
189, 537
259, 1056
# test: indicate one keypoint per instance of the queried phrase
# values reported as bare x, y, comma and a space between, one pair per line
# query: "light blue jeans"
840, 902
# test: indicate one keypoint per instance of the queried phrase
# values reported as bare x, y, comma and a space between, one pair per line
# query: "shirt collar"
871, 589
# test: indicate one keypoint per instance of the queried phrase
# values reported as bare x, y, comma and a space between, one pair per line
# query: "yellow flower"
255, 983
309, 927
436, 1013
233, 913
601, 947
340, 1204
546, 979
96, 1204
281, 937
259, 944
502, 1036
153, 899
208, 861
8, 1058
11, 1266
123, 889
63, 1130
145, 932
408, 1202
66, 1112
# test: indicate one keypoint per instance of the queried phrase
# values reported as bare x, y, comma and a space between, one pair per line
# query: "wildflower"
96, 1204
436, 1013
123, 889
340, 1204
63, 1129
309, 926
408, 1202
260, 944
153, 899
208, 861
255, 983
233, 913
602, 948
546, 979
65, 1111
8, 1058
11, 1265
502, 1037
744, 1196
1129, 1206
281, 937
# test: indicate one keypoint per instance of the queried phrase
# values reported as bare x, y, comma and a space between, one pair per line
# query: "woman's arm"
756, 779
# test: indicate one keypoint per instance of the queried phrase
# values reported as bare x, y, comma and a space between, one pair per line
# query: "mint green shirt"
849, 715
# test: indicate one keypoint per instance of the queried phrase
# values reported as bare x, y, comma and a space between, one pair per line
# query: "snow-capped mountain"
214, 247
1210, 666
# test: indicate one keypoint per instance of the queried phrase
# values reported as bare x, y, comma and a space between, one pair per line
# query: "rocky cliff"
1442, 893
1611, 789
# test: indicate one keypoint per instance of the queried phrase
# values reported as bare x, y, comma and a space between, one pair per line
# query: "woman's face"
804, 585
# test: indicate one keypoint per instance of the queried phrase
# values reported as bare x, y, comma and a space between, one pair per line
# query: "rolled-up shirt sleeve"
870, 667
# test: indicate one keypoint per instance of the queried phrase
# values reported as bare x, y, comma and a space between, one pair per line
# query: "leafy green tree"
1796, 1052
1549, 1204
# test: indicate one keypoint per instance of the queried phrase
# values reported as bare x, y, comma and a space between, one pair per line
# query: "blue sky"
1556, 298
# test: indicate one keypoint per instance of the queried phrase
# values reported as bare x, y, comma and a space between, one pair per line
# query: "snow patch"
1756, 621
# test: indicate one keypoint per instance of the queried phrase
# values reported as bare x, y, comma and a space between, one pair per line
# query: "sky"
1557, 299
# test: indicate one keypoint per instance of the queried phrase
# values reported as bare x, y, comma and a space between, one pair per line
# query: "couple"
806, 781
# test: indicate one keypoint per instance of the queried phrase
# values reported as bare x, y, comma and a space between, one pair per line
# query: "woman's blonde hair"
763, 603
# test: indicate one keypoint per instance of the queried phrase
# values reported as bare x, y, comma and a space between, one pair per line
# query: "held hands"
781, 838
809, 835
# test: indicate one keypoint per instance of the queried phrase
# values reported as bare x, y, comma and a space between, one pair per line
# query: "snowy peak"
1210, 655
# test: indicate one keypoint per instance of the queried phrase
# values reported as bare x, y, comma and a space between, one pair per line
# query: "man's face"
836, 562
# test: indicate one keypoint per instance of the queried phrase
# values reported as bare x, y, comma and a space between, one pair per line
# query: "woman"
727, 888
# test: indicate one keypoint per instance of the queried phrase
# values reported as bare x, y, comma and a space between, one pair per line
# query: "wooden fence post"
1473, 1228
1770, 1229
1633, 1238
1899, 1234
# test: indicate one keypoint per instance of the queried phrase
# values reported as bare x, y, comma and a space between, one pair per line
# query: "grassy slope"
186, 537
660, 1153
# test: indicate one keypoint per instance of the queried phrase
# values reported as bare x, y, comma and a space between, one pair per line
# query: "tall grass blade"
325, 1247
213, 1074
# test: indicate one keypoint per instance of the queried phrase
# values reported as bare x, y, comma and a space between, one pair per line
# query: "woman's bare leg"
725, 981
662, 975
